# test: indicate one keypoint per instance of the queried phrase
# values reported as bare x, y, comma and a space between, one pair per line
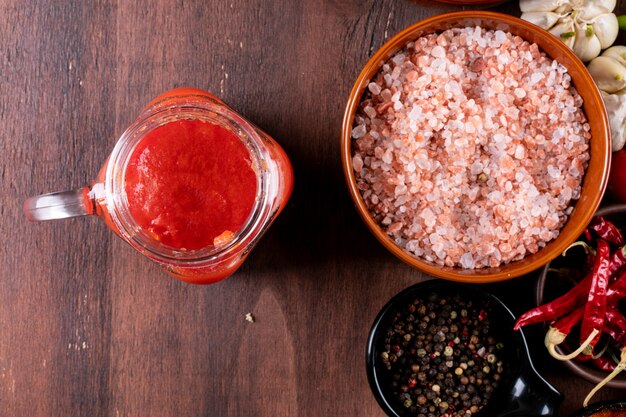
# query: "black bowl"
522, 392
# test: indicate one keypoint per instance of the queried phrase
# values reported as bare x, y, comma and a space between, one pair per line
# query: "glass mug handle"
60, 205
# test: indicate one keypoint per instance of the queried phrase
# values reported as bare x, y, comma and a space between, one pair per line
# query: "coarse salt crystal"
536, 77
357, 163
395, 74
467, 261
500, 36
359, 131
374, 88
370, 111
387, 157
476, 168
398, 59
519, 93
438, 52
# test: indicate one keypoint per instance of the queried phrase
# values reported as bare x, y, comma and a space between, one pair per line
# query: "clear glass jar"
107, 198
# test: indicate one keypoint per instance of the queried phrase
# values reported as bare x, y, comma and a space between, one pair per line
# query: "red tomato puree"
190, 184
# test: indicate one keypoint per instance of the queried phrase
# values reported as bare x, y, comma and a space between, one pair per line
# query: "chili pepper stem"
620, 367
601, 352
586, 247
554, 338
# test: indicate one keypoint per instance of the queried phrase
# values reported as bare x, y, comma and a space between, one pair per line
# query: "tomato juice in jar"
190, 184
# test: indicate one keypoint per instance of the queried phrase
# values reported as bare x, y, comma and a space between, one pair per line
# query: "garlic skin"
586, 26
609, 72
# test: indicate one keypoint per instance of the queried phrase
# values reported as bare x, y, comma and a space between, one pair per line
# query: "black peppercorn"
437, 352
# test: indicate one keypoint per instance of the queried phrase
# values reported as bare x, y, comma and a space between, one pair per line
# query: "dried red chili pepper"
558, 332
604, 364
617, 290
607, 231
618, 260
615, 327
589, 250
558, 307
565, 303
595, 309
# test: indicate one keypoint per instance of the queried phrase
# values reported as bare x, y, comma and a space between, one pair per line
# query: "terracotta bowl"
582, 369
596, 176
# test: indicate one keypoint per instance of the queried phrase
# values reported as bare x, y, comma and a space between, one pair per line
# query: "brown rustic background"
90, 328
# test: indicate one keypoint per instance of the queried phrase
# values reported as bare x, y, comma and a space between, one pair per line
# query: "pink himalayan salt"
472, 148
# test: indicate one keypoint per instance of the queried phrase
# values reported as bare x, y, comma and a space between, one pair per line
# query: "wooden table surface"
90, 328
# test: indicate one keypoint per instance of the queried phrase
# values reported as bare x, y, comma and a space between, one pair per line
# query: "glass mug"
108, 199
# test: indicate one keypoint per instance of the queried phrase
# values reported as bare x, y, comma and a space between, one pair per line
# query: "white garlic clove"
618, 53
609, 74
586, 43
540, 5
564, 9
607, 6
616, 110
565, 31
590, 9
606, 29
544, 20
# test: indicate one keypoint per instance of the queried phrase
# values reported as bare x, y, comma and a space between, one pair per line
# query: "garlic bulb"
609, 72
586, 26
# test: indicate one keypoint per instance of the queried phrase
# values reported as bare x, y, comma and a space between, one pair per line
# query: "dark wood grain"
90, 328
